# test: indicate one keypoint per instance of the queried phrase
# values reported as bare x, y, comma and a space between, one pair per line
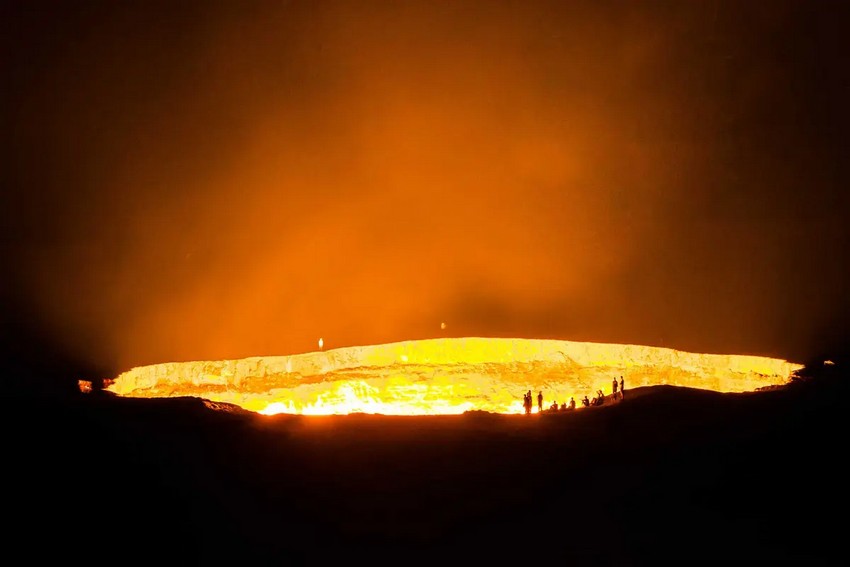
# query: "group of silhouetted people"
617, 388
528, 401
614, 385
564, 406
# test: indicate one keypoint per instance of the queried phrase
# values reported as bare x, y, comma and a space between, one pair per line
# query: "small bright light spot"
321, 343
828, 363
443, 325
404, 358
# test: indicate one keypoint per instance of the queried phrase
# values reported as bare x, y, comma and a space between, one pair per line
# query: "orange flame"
444, 376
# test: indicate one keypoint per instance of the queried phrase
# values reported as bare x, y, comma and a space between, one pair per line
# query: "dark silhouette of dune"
671, 475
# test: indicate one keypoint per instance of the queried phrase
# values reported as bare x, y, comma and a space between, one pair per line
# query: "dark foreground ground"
669, 476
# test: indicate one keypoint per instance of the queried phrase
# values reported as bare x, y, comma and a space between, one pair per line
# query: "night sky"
209, 180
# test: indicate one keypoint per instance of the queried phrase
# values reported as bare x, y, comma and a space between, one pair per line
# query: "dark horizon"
217, 180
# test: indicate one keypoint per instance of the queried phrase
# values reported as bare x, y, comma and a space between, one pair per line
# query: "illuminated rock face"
445, 376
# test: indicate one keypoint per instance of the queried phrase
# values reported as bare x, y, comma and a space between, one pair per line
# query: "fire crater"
444, 376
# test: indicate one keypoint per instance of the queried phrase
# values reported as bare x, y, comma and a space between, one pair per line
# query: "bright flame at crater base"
444, 376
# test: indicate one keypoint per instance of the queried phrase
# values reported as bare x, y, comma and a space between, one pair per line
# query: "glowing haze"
445, 376
223, 180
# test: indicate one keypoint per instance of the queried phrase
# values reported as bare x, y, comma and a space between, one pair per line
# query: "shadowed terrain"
671, 475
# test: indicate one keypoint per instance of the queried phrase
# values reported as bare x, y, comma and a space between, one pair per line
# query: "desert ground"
668, 476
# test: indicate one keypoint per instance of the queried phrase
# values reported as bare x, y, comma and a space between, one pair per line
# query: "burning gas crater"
443, 376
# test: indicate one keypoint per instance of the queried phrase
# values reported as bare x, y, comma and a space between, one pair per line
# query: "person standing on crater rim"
622, 388
614, 389
540, 401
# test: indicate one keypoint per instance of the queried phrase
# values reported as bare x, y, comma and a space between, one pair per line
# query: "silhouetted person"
526, 402
572, 403
585, 402
622, 388
614, 388
540, 400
